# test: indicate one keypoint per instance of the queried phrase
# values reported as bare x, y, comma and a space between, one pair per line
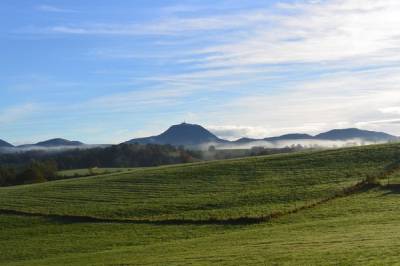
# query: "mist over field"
57, 149
307, 143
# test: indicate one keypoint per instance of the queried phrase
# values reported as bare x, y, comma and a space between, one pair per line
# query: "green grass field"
151, 216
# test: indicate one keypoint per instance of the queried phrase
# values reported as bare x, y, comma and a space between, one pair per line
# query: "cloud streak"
336, 30
53, 9
15, 113
323, 31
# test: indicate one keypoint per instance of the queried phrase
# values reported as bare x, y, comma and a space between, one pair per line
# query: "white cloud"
334, 30
131, 100
311, 31
316, 31
391, 110
347, 32
233, 132
341, 100
378, 122
15, 113
171, 25
54, 9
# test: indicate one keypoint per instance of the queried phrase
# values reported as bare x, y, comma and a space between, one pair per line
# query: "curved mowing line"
362, 186
359, 187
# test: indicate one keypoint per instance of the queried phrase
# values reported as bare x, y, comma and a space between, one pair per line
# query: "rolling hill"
195, 136
58, 142
361, 229
53, 143
182, 134
288, 209
289, 137
354, 133
221, 190
348, 134
4, 144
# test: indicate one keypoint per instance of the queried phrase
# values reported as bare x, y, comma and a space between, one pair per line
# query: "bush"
31, 175
34, 172
372, 180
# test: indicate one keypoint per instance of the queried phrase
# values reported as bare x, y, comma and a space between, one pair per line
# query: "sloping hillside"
182, 134
180, 215
4, 144
355, 133
220, 190
360, 229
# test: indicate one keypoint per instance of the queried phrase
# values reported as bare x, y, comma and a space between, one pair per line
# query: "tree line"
40, 166
34, 172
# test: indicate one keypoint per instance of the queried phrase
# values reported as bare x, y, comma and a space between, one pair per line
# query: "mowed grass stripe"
361, 229
214, 190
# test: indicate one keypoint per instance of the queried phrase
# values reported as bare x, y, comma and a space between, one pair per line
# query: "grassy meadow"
181, 215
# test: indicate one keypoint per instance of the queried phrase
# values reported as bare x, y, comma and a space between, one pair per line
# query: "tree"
31, 175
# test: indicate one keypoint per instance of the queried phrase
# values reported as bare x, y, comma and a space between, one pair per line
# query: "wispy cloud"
132, 100
328, 31
378, 122
233, 132
308, 32
391, 110
340, 100
15, 113
318, 34
53, 9
170, 25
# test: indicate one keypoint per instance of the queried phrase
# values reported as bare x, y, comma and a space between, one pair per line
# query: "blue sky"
105, 72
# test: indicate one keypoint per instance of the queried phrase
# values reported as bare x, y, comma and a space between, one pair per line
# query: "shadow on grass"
393, 189
70, 219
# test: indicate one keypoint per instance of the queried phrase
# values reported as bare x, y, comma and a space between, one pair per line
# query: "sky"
109, 71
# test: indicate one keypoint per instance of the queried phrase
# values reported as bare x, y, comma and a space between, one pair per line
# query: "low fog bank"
56, 149
303, 143
220, 151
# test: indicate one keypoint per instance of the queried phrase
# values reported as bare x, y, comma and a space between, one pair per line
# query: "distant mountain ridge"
59, 142
346, 134
53, 143
182, 134
289, 137
4, 144
192, 135
355, 133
